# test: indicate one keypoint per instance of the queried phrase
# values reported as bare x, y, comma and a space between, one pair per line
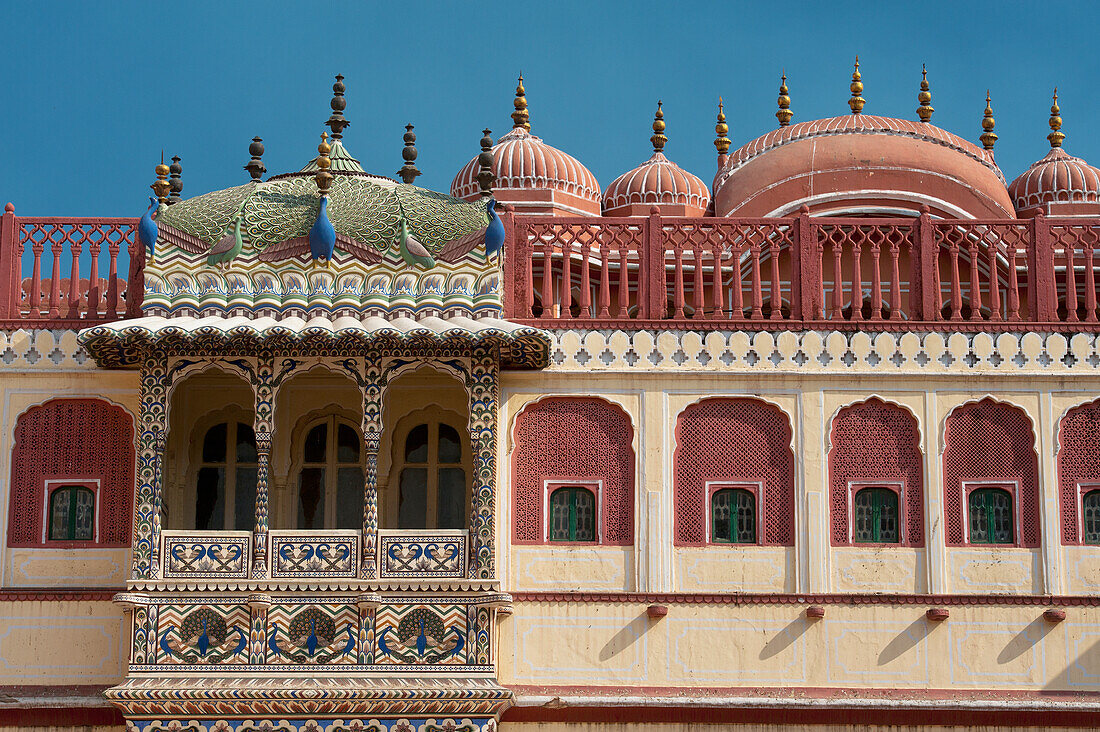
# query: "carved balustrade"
803, 273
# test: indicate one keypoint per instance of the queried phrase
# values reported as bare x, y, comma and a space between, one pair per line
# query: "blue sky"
95, 91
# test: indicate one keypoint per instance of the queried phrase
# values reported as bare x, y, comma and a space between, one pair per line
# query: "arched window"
991, 516
330, 480
875, 445
72, 513
990, 444
432, 479
1079, 472
572, 514
876, 516
727, 443
733, 516
225, 486
1090, 508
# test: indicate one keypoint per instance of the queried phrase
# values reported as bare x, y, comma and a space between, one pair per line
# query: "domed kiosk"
532, 176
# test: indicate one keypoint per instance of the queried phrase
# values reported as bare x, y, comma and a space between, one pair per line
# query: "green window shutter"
991, 516
572, 514
733, 516
1091, 517
876, 518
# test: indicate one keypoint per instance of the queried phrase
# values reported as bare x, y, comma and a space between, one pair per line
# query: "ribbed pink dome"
1059, 178
523, 162
861, 164
656, 182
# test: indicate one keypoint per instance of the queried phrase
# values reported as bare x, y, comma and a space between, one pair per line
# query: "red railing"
81, 284
803, 272
660, 272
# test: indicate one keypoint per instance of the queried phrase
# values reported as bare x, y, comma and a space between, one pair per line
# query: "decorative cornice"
765, 598
595, 350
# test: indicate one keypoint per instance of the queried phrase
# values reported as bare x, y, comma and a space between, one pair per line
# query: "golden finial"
521, 117
161, 186
925, 110
1056, 135
658, 138
857, 101
988, 137
323, 177
722, 142
784, 114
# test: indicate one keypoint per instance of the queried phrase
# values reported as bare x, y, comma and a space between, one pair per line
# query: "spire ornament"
323, 177
521, 117
658, 139
336, 122
925, 110
409, 171
857, 101
722, 130
1056, 135
988, 136
175, 180
485, 177
784, 114
161, 185
255, 166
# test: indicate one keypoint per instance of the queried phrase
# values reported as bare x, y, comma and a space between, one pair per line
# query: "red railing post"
653, 257
11, 269
508, 299
806, 284
521, 262
1042, 292
927, 304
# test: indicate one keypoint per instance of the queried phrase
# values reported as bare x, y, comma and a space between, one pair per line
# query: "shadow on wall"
1022, 642
630, 634
783, 640
905, 640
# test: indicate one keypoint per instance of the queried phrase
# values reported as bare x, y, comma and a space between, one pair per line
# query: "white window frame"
52, 483
855, 486
1012, 485
549, 485
756, 487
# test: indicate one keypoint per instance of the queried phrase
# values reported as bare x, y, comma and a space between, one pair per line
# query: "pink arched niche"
82, 440
570, 439
735, 440
1078, 464
990, 443
876, 442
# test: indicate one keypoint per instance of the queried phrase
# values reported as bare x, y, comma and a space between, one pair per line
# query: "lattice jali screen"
746, 440
1078, 462
567, 438
990, 441
872, 440
78, 439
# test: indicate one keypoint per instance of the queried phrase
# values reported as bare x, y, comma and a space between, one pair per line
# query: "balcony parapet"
409, 559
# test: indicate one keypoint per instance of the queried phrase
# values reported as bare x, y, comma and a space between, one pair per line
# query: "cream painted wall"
719, 645
653, 401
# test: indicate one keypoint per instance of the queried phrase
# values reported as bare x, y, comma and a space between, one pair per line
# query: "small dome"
1059, 184
531, 175
656, 182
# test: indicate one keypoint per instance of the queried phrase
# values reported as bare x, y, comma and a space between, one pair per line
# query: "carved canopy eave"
122, 344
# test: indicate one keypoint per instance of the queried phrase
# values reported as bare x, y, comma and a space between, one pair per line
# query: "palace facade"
811, 444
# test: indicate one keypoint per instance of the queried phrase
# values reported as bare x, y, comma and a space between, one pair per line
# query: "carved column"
264, 388
257, 634
482, 385
150, 455
371, 386
368, 609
